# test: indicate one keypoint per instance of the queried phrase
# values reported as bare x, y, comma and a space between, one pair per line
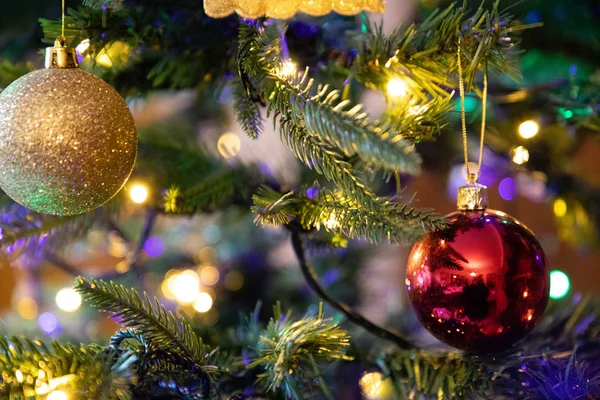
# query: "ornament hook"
61, 55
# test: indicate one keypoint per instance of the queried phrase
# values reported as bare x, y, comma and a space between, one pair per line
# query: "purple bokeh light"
506, 188
48, 322
154, 246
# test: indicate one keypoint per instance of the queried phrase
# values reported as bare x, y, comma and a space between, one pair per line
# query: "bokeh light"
229, 145
209, 275
57, 395
559, 284
203, 302
506, 188
122, 266
83, 46
154, 246
332, 222
396, 88
67, 299
287, 69
27, 308
186, 286
520, 155
560, 208
371, 385
233, 281
47, 322
138, 193
528, 129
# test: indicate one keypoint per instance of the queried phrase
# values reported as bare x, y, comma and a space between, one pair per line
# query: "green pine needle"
157, 325
338, 213
32, 369
290, 353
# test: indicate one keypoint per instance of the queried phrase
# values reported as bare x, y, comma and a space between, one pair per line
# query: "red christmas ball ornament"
482, 283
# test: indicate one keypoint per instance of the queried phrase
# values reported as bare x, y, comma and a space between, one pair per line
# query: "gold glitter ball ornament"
287, 8
68, 141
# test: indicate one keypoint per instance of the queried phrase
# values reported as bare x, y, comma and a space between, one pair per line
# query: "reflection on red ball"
481, 284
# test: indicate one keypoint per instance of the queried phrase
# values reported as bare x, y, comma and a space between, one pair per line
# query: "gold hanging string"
63, 19
461, 88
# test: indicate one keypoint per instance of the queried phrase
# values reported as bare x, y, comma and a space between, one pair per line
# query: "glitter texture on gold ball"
287, 8
68, 141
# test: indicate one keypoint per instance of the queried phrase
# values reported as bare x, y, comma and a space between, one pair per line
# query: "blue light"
533, 17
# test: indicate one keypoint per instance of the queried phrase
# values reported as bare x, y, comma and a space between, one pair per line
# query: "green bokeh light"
559, 284
471, 104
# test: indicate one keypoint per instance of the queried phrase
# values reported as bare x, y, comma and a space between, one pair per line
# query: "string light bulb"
520, 155
57, 395
528, 129
396, 88
67, 299
229, 145
287, 69
332, 222
138, 193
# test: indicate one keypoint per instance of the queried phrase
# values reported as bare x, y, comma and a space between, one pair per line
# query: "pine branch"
290, 352
321, 113
215, 190
326, 146
150, 318
26, 230
10, 72
432, 373
32, 369
340, 214
557, 360
247, 111
423, 55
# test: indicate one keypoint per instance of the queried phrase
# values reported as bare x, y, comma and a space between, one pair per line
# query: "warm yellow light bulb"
520, 155
560, 207
67, 299
371, 383
229, 145
528, 129
332, 222
186, 286
287, 69
138, 193
57, 395
396, 88
27, 308
203, 302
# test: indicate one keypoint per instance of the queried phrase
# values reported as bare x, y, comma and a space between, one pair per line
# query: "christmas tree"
289, 154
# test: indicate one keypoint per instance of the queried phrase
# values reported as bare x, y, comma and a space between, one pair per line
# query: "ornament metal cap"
61, 56
472, 196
